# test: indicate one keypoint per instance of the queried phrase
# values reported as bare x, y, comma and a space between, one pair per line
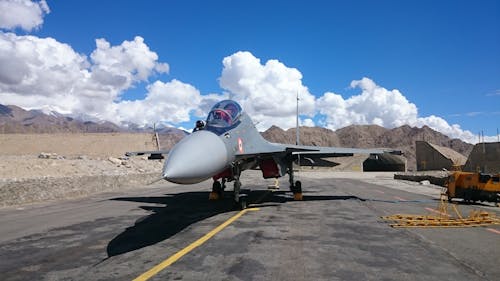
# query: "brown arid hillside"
365, 136
16, 120
308, 136
404, 138
369, 136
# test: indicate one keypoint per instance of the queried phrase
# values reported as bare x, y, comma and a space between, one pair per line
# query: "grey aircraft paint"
228, 143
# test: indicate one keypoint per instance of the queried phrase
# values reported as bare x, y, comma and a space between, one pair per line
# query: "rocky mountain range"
14, 119
369, 136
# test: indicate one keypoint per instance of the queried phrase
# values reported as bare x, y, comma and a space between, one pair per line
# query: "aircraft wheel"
297, 191
298, 187
216, 186
242, 202
213, 196
216, 191
298, 196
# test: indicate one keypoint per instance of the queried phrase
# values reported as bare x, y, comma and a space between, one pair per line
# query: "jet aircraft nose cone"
196, 158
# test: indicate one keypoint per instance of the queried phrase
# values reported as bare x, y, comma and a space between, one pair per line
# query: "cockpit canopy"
224, 114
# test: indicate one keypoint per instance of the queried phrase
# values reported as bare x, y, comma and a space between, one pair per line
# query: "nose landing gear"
217, 190
240, 200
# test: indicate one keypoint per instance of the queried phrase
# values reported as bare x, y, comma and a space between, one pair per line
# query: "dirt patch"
40, 167
25, 191
29, 179
32, 167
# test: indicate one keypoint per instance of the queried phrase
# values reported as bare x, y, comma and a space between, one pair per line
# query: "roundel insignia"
240, 145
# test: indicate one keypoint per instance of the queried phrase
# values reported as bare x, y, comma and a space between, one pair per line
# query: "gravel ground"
32, 167
29, 179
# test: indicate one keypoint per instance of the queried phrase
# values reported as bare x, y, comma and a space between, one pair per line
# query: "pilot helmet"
231, 109
200, 124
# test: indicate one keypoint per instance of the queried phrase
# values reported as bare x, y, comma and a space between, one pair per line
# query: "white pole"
297, 140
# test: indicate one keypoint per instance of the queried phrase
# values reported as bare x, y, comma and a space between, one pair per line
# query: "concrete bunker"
431, 157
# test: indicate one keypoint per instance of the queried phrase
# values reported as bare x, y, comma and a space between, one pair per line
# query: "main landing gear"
295, 187
240, 200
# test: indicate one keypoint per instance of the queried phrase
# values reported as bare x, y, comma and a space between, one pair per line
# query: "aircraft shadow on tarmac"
183, 209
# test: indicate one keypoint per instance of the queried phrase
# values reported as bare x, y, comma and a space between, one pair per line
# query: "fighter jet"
229, 143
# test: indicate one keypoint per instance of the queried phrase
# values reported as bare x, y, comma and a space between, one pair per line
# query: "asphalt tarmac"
335, 233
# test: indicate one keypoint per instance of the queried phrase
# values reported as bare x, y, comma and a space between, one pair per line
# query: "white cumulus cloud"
308, 122
379, 106
40, 71
170, 102
375, 105
24, 14
44, 73
266, 91
131, 61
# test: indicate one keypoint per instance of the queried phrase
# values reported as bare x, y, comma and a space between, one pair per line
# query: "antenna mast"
297, 140
156, 139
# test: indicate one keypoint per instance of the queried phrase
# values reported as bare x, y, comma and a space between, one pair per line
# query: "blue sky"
442, 56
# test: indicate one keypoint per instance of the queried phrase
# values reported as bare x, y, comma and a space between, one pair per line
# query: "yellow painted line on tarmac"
159, 267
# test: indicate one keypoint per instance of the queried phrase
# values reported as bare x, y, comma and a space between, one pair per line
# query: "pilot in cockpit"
224, 114
231, 109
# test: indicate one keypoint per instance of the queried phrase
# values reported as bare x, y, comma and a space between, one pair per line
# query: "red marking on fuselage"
240, 145
269, 168
399, 198
226, 174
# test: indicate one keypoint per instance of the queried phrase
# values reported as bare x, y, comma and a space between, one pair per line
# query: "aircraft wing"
153, 154
314, 152
322, 152
272, 149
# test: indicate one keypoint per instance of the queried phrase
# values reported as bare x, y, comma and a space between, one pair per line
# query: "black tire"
466, 196
298, 187
217, 188
243, 203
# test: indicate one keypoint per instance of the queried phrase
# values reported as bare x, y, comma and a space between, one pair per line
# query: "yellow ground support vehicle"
473, 187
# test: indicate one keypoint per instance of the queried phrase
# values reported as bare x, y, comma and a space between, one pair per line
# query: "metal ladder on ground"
445, 218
